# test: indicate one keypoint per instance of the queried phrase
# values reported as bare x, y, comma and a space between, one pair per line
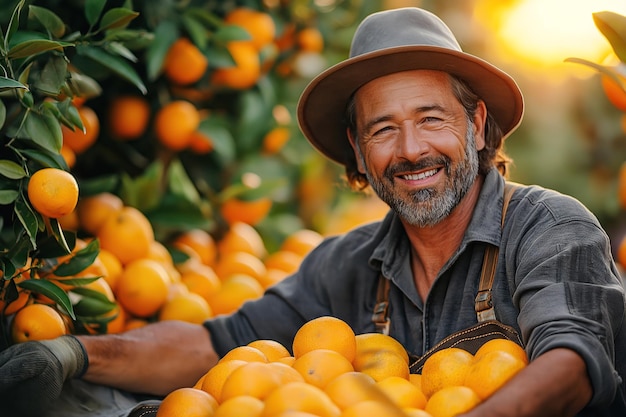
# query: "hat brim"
322, 105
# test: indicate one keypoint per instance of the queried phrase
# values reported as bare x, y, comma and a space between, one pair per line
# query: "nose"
411, 144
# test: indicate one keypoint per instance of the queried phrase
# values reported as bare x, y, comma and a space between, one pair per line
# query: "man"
423, 123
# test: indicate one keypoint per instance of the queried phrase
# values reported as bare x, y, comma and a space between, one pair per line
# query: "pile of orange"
139, 274
326, 377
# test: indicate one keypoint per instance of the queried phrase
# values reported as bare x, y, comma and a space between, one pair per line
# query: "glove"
32, 374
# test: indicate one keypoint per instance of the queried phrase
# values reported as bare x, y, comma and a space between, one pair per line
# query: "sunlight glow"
545, 32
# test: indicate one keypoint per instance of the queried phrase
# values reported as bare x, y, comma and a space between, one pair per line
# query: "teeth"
420, 176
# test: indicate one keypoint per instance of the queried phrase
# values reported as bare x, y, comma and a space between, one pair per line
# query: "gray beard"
428, 206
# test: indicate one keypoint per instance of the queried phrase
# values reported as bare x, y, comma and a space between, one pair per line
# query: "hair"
492, 155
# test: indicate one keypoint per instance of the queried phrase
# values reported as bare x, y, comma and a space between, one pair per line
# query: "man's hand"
32, 374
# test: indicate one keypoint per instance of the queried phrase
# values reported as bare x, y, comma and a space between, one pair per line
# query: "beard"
428, 206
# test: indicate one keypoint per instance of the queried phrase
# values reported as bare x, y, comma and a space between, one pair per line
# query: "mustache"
406, 166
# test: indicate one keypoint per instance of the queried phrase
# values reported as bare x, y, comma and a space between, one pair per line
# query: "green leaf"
8, 196
57, 232
117, 17
119, 49
613, 27
254, 117
80, 260
113, 63
88, 306
52, 76
35, 46
50, 290
44, 158
228, 33
44, 130
180, 184
217, 129
48, 20
204, 16
15, 20
27, 218
164, 35
48, 246
196, 30
3, 113
143, 192
93, 10
8, 83
11, 169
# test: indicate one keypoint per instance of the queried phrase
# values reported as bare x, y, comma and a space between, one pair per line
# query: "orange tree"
613, 83
183, 109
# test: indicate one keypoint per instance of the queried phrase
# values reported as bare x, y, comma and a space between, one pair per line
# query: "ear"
480, 121
355, 149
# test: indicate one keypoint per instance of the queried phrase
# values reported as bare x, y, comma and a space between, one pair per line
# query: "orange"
188, 307
187, 402
214, 378
350, 388
118, 324
37, 322
244, 353
275, 139
128, 117
246, 71
242, 237
285, 372
235, 290
159, 253
127, 234
415, 412
94, 210
184, 63
621, 252
491, 371
134, 323
53, 192
272, 349
255, 379
243, 405
259, 25
371, 342
68, 155
451, 401
272, 276
247, 211
201, 242
319, 366
69, 221
143, 287
240, 263
416, 379
402, 392
381, 364
310, 39
302, 241
78, 140
201, 280
112, 265
175, 122
300, 396
325, 332
283, 260
372, 408
23, 297
200, 143
444, 368
503, 345
614, 91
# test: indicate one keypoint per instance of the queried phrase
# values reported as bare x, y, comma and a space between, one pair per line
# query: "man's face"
416, 145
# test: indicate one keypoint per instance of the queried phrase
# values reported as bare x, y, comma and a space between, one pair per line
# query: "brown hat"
393, 41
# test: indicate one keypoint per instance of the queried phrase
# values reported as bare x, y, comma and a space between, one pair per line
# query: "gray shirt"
556, 283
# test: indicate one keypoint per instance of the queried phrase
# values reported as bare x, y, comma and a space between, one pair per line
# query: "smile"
421, 175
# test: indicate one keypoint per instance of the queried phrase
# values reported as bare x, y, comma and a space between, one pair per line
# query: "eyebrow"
388, 117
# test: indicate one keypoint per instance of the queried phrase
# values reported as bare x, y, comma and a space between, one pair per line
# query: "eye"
382, 130
431, 119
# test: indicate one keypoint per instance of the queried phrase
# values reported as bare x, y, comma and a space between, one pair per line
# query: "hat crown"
402, 27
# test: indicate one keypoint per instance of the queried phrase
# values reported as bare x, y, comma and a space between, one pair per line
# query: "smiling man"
423, 123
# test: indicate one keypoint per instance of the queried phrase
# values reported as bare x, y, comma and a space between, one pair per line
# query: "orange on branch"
128, 117
259, 25
78, 140
175, 123
127, 234
142, 289
242, 237
246, 70
200, 241
53, 192
184, 63
95, 209
37, 322
310, 39
236, 210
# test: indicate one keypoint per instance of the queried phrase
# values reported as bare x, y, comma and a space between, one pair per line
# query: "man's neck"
431, 247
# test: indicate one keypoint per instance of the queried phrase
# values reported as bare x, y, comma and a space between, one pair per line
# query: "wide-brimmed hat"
393, 41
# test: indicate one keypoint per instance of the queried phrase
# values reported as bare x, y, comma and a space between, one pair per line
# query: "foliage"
57, 55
